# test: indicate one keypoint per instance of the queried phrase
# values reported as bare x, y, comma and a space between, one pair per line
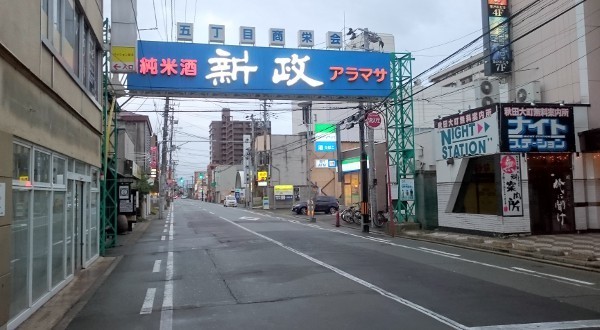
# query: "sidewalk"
58, 312
571, 250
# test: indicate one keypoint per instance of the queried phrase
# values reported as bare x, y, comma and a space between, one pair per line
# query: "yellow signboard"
262, 175
284, 189
122, 59
24, 178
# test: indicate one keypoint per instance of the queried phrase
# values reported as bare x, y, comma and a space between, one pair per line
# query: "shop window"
42, 167
19, 253
41, 225
58, 237
80, 168
21, 162
478, 192
58, 171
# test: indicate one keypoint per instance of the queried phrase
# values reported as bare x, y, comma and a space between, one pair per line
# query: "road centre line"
148, 301
166, 314
418, 308
156, 267
554, 276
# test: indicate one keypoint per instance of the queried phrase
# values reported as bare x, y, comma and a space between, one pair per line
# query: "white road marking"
451, 323
554, 276
165, 230
148, 301
166, 314
457, 257
211, 212
249, 218
439, 252
162, 238
546, 326
156, 267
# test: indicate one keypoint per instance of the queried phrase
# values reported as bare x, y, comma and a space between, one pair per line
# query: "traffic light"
201, 175
181, 181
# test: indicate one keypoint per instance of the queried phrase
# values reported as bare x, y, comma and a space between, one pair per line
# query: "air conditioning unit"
487, 92
529, 93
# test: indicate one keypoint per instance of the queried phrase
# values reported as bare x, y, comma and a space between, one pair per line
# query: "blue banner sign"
538, 128
211, 70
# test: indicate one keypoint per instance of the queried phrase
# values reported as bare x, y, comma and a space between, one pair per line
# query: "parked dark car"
327, 204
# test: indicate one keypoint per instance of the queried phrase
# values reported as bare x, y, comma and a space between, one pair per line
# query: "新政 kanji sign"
224, 70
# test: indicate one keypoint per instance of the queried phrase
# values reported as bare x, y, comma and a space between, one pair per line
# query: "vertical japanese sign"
325, 138
497, 42
512, 195
527, 128
123, 41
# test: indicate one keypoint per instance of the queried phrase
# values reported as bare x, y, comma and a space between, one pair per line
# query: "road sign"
373, 119
122, 59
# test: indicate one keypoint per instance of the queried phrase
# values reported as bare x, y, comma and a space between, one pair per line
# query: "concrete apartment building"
50, 105
226, 146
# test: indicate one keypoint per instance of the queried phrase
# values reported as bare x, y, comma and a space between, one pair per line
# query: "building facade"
226, 146
526, 162
50, 104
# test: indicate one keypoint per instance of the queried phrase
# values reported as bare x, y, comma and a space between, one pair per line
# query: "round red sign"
373, 119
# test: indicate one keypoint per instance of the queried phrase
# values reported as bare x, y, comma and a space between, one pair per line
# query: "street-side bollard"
311, 210
337, 218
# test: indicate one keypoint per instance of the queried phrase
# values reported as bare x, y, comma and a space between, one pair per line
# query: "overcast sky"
429, 29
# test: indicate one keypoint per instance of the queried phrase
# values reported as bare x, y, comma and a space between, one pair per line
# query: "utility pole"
163, 162
171, 165
364, 175
253, 162
264, 153
371, 158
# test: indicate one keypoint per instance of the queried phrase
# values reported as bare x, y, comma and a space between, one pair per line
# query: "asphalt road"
211, 267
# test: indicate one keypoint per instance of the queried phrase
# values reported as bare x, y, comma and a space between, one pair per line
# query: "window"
42, 167
58, 237
21, 161
70, 49
58, 171
478, 192
20, 253
71, 39
41, 225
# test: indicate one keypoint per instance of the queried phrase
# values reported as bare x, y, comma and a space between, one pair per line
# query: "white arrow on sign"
248, 218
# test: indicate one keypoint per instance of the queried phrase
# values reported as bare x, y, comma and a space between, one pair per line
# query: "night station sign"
471, 133
212, 70
539, 128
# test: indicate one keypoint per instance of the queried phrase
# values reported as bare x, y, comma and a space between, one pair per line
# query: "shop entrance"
551, 193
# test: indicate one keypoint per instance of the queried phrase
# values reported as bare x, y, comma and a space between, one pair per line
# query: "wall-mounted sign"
276, 73
407, 189
325, 163
497, 41
352, 164
124, 192
538, 128
512, 195
325, 140
471, 133
123, 59
284, 192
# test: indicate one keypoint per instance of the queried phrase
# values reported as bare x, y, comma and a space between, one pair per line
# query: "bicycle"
382, 218
348, 214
